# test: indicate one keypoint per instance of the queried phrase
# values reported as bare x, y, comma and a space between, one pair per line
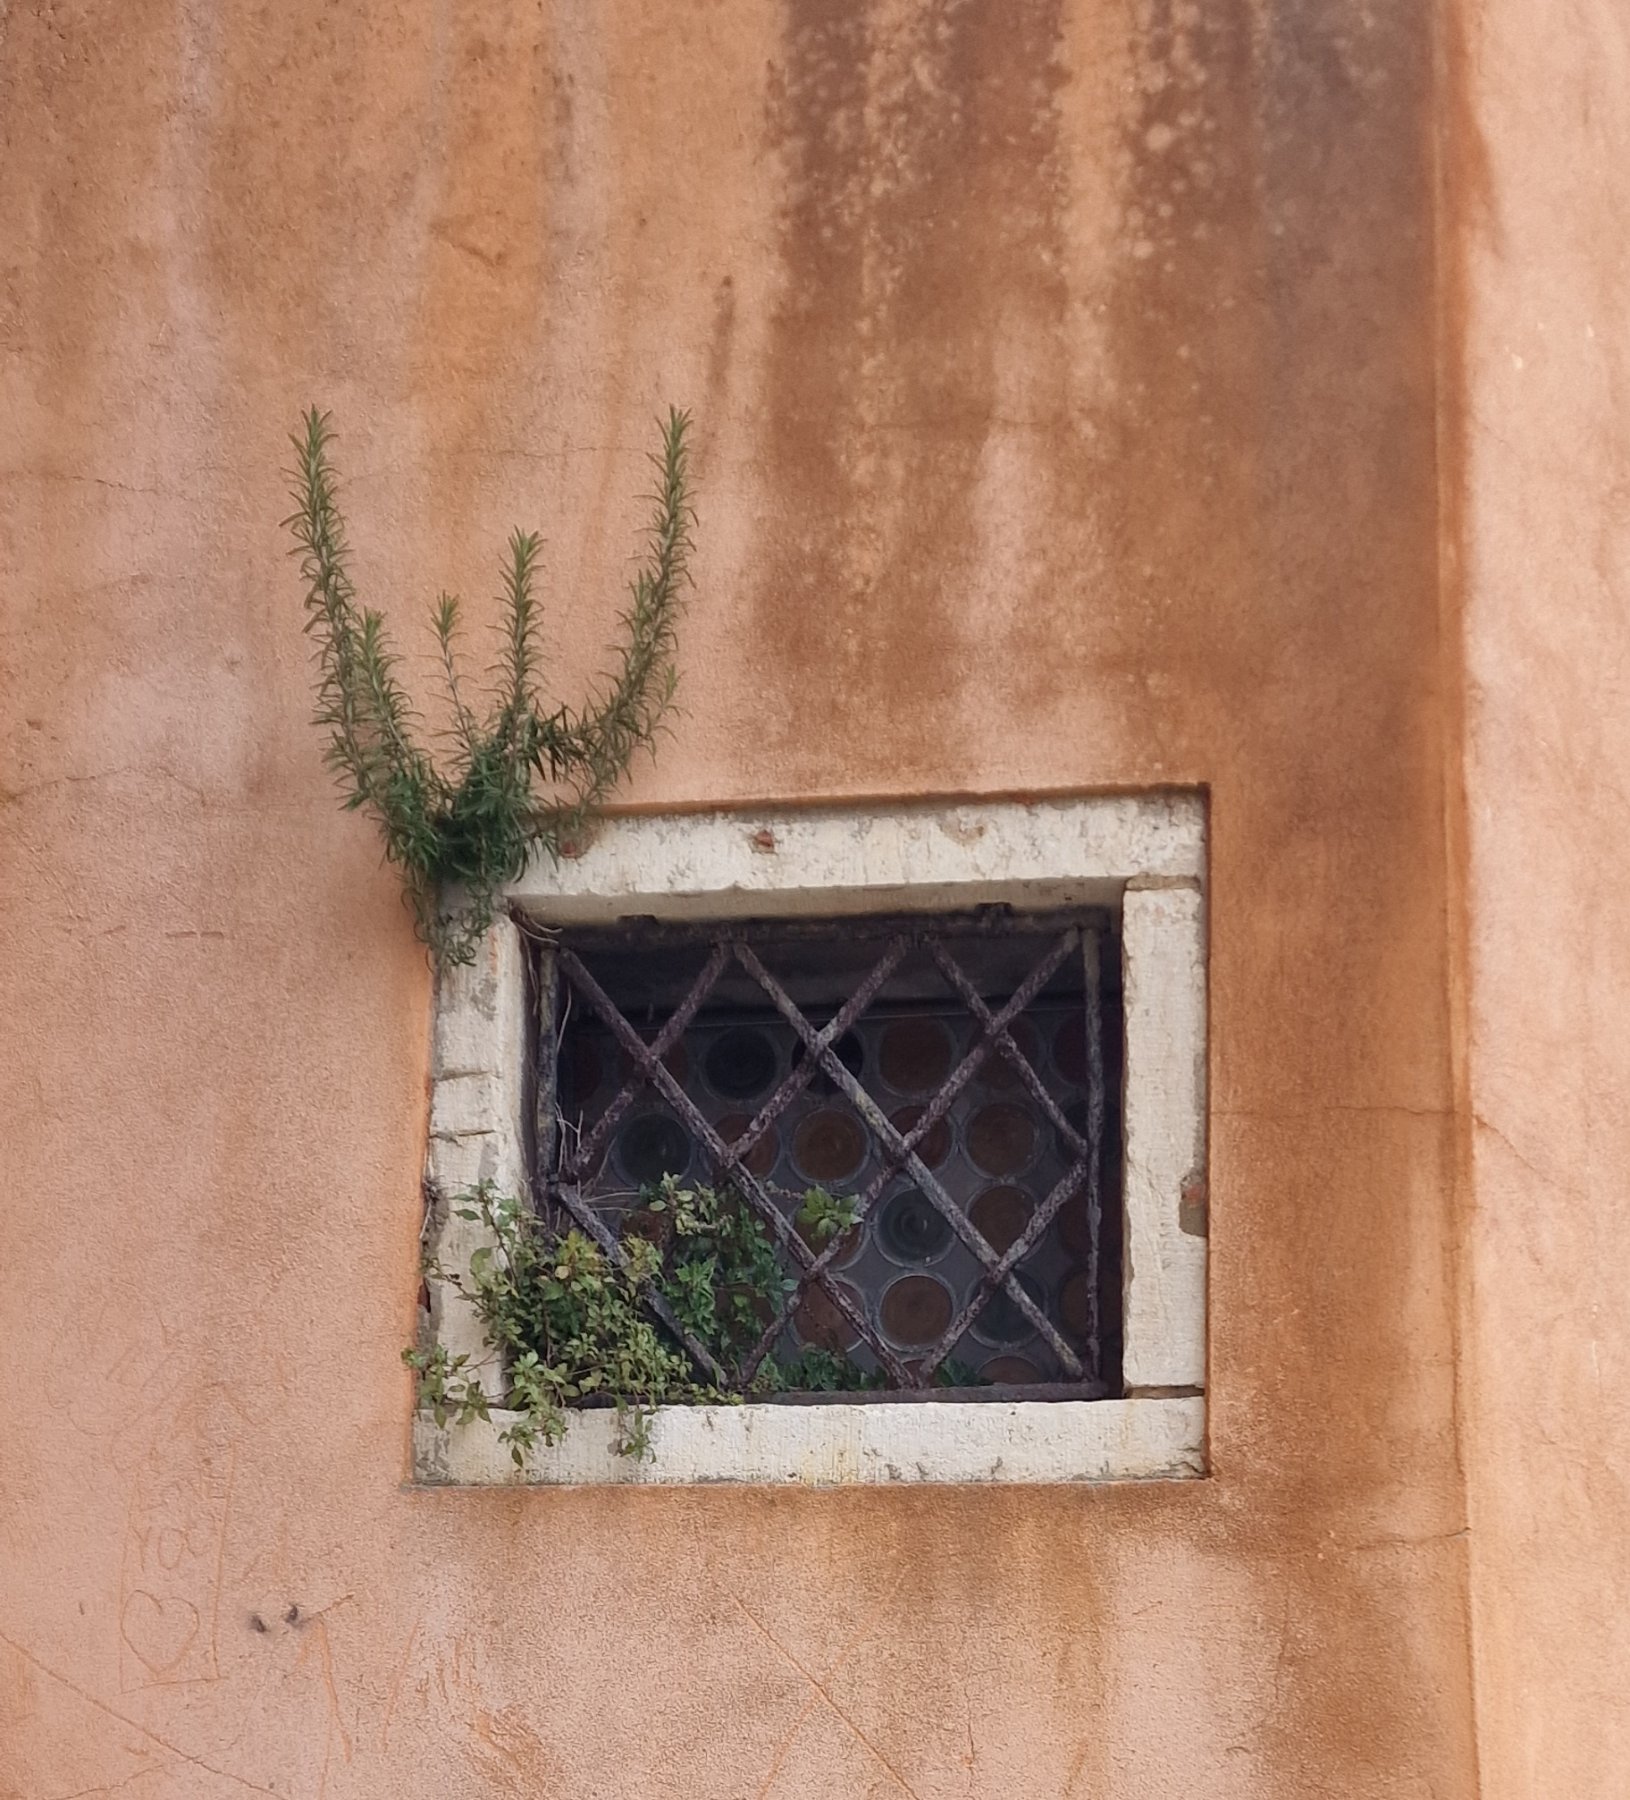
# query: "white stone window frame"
1143, 856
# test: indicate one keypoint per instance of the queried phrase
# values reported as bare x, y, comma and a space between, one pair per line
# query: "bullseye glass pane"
819, 1322
912, 1229
916, 1309
1002, 1321
652, 1145
829, 1145
1002, 1138
936, 1141
741, 1063
915, 1055
760, 1159
1000, 1214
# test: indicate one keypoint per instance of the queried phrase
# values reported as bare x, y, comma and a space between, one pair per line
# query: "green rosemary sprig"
523, 776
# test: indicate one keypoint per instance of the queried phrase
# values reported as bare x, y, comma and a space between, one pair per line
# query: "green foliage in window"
825, 1216
517, 773
569, 1327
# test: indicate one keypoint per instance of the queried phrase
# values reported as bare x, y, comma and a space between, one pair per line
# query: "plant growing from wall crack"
518, 775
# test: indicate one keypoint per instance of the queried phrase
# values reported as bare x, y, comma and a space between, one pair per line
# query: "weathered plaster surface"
1536, 159
1064, 382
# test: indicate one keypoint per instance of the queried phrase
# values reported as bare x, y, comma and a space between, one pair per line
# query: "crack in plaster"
820, 1689
198, 1762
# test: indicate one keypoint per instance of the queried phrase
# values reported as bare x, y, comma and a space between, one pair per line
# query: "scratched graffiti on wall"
175, 1535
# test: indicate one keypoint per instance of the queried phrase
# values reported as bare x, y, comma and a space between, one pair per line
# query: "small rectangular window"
949, 1084
930, 1080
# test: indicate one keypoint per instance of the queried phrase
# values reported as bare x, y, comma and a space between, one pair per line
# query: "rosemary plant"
518, 775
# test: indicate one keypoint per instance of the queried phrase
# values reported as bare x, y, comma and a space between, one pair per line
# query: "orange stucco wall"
1065, 378
1539, 292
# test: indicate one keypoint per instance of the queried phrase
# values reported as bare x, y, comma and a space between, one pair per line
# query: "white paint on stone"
840, 1446
477, 1093
1163, 946
915, 859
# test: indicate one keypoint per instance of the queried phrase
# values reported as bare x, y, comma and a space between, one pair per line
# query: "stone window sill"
817, 1446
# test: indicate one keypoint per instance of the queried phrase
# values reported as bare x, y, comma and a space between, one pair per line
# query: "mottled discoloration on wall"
1538, 555
902, 393
1064, 375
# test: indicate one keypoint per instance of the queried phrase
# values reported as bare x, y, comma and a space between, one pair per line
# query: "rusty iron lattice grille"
946, 1076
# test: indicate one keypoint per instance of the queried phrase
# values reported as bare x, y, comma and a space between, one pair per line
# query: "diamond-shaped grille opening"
953, 1083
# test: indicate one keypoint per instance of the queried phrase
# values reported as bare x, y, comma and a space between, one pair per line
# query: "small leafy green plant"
569, 1327
517, 774
825, 1216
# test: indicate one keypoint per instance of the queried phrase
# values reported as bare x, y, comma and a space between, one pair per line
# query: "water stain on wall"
919, 238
